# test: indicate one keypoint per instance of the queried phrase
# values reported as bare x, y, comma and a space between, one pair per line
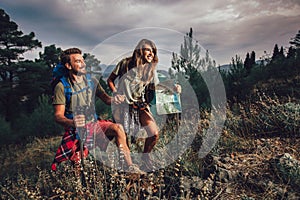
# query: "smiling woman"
136, 80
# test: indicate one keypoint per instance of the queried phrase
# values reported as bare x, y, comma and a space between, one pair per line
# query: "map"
167, 100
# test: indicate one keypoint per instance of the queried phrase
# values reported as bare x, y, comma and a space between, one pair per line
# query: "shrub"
39, 123
5, 131
267, 116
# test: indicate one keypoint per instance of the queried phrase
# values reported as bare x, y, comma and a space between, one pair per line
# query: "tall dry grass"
25, 170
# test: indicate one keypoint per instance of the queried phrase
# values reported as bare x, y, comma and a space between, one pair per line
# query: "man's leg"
117, 131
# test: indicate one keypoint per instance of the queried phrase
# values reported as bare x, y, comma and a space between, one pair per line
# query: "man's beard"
79, 73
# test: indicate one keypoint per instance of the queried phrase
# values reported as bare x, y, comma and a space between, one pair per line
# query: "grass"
238, 167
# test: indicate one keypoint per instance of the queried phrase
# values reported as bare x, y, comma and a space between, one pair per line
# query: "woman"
136, 82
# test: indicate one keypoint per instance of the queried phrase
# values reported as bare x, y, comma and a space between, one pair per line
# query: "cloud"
225, 28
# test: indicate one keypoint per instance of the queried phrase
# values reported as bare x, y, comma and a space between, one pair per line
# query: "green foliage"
103, 110
92, 63
5, 131
194, 67
234, 80
50, 55
249, 62
288, 168
39, 123
295, 41
266, 117
13, 44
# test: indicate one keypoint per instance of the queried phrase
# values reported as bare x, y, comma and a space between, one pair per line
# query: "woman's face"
148, 54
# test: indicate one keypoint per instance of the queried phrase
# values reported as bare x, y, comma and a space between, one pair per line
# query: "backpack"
60, 74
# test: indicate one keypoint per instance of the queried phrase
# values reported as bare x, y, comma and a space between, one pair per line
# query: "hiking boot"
134, 169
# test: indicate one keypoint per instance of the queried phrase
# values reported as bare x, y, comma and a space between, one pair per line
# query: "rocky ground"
268, 170
265, 168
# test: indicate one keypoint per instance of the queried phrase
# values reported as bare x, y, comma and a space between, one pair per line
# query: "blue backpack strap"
68, 94
91, 84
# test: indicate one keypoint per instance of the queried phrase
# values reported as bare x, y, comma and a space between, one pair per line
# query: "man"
68, 112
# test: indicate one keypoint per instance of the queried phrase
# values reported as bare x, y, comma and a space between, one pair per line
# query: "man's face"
148, 54
77, 64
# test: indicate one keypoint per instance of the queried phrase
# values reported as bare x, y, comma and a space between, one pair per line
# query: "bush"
40, 122
267, 116
5, 131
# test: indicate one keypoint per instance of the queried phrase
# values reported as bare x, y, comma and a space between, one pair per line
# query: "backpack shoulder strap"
124, 66
91, 85
90, 82
68, 93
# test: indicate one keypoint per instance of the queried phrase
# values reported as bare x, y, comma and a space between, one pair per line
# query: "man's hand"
79, 121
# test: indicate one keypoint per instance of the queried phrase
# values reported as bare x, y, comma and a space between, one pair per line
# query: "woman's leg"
151, 128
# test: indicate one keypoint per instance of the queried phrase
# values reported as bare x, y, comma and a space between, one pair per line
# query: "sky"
110, 29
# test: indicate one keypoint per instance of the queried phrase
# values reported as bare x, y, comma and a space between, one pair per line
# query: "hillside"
257, 157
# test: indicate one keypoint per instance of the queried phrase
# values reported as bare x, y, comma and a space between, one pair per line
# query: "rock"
287, 168
223, 175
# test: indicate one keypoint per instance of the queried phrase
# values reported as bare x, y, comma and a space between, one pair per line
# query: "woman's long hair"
147, 71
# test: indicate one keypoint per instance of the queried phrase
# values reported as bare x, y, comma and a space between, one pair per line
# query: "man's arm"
60, 118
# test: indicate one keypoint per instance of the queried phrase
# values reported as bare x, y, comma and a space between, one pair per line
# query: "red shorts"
94, 137
97, 135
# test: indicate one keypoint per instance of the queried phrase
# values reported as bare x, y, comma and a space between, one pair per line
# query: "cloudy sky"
111, 29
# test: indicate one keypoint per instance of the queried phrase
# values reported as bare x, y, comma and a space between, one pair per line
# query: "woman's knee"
154, 134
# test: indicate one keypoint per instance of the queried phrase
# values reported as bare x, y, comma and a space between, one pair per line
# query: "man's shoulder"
62, 83
59, 84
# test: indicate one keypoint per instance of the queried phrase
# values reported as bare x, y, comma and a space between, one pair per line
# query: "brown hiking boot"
134, 169
149, 165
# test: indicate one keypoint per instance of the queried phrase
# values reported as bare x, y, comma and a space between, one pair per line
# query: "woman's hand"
177, 88
118, 99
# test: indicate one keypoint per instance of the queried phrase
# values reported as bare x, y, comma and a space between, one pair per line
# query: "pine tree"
291, 53
295, 42
247, 63
92, 63
252, 59
192, 65
294, 51
275, 52
235, 79
50, 56
281, 53
13, 44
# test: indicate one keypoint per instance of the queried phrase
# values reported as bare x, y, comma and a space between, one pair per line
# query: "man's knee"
118, 130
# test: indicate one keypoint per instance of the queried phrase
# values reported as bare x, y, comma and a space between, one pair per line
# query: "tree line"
25, 92
242, 78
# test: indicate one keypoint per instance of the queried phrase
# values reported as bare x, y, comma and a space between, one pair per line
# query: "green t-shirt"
83, 99
130, 82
